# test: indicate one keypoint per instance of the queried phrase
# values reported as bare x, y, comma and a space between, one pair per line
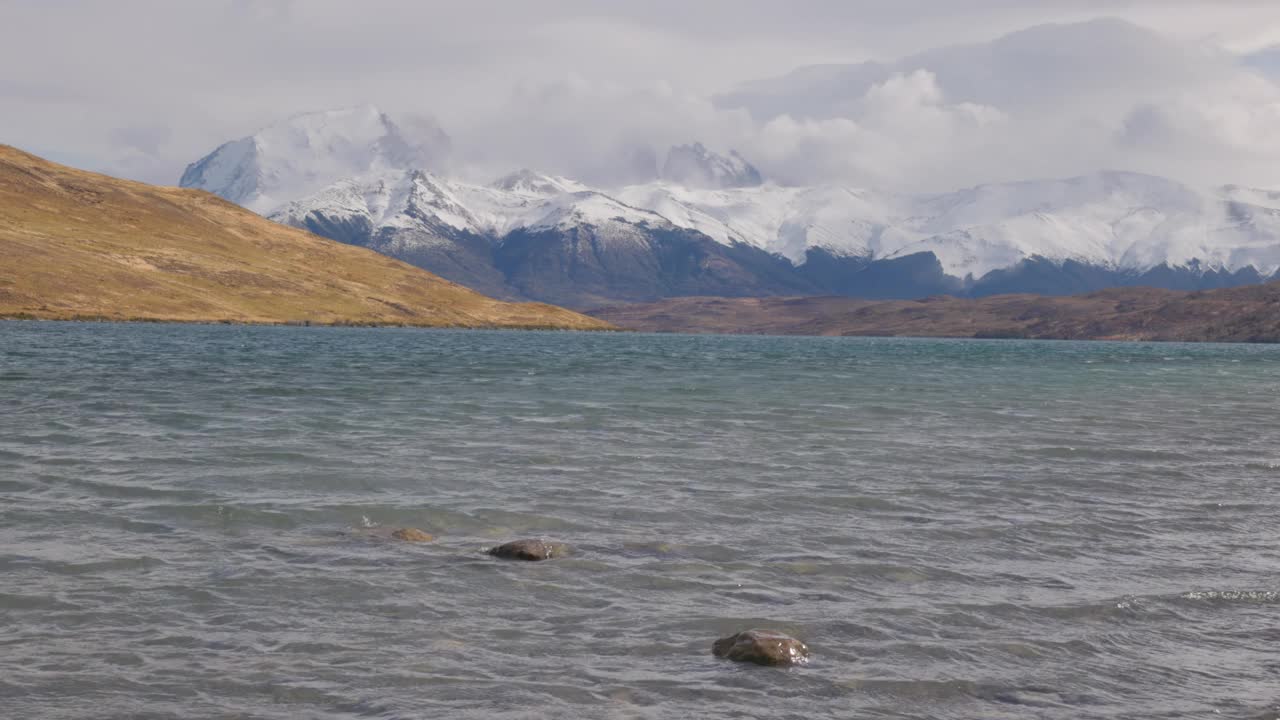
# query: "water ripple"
190, 517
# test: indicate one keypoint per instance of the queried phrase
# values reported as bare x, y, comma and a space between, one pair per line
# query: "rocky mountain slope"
1240, 314
75, 244
713, 226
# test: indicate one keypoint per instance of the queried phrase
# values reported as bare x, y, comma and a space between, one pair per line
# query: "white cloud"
897, 133
1227, 132
594, 131
142, 87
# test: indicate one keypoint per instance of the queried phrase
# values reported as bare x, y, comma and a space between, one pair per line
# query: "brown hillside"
1243, 314
75, 244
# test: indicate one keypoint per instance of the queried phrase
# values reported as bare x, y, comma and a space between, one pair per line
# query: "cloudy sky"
908, 94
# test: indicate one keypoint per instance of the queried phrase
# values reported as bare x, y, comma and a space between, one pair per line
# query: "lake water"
958, 529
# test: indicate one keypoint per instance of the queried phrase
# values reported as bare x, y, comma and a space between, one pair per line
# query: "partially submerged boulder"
385, 534
529, 550
763, 647
412, 535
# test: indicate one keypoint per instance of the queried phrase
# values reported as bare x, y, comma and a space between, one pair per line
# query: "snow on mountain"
1125, 221
696, 166
528, 182
309, 152
782, 220
1113, 220
359, 175
419, 200
1117, 221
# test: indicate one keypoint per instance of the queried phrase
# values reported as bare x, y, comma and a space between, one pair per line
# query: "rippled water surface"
959, 529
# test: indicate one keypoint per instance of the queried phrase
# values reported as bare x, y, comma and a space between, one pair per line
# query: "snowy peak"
528, 182
395, 199
435, 206
308, 152
594, 209
231, 171
696, 166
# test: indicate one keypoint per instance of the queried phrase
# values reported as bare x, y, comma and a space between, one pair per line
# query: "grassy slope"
75, 244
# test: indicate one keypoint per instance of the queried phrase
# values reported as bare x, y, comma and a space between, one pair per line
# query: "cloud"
1053, 100
598, 132
1228, 130
901, 94
897, 132
148, 139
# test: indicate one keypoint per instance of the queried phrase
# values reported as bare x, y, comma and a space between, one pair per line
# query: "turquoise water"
959, 529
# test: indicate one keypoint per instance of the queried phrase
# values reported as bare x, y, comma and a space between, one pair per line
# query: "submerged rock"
529, 550
386, 534
763, 647
412, 535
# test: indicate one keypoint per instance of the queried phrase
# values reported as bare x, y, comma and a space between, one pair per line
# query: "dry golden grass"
75, 244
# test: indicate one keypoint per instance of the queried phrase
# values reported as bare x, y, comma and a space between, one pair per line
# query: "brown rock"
529, 550
412, 535
763, 647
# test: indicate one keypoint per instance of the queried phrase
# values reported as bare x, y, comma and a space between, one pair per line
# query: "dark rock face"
345, 229
762, 647
529, 550
901, 278
589, 266
1044, 277
464, 258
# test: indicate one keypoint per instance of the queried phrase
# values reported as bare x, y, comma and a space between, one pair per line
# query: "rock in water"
412, 535
383, 534
763, 647
529, 550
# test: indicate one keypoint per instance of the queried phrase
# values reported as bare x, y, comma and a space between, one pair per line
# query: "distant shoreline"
620, 330
104, 319
1246, 314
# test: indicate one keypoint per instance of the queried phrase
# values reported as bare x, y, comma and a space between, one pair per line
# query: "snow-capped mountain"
500, 238
696, 166
419, 200
307, 152
711, 227
1115, 220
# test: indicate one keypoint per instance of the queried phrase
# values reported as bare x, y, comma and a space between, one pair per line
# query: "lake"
191, 522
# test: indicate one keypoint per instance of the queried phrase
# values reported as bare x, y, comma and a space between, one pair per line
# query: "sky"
957, 92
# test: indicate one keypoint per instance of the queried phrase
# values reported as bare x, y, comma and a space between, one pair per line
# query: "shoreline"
1246, 314
618, 330
104, 319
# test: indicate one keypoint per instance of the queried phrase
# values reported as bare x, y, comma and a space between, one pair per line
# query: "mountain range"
711, 224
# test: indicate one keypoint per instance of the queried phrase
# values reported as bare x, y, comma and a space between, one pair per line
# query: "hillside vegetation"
75, 244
